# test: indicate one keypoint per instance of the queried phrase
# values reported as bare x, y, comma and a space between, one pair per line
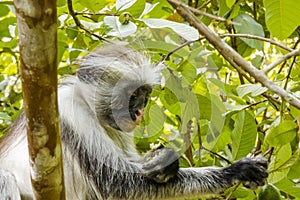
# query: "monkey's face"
126, 107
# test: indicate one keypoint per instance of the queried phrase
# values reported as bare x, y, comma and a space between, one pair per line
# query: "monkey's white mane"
143, 72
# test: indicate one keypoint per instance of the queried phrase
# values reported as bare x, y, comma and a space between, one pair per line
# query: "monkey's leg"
8, 186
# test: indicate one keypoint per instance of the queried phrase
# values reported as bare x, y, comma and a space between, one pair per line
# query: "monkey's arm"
188, 182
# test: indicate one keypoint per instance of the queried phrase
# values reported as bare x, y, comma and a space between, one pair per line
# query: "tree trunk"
37, 24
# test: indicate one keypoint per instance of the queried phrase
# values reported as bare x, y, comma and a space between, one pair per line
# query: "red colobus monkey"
99, 109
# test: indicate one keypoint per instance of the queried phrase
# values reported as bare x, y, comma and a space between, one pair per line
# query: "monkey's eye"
133, 97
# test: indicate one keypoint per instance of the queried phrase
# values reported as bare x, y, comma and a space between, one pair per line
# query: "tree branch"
230, 55
217, 18
268, 68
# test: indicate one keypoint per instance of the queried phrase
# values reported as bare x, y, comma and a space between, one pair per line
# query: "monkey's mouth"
128, 124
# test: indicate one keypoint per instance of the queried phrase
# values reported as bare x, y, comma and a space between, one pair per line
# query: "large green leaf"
243, 135
288, 186
245, 24
185, 31
282, 134
282, 17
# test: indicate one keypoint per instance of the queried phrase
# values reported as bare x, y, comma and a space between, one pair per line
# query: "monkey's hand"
250, 172
160, 165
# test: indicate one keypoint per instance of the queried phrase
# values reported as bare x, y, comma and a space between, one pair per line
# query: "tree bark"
37, 24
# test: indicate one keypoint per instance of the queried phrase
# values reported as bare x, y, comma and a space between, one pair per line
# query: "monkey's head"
121, 80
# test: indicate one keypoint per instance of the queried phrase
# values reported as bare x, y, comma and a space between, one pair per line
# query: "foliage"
205, 108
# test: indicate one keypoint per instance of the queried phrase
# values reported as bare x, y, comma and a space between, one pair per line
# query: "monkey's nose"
139, 113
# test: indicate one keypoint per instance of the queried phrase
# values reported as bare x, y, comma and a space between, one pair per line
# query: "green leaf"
247, 25
93, 5
241, 193
204, 107
231, 107
185, 31
164, 47
282, 134
124, 4
243, 135
157, 119
288, 186
230, 3
189, 72
282, 17
148, 8
269, 191
5, 24
283, 155
118, 29
136, 9
4, 10
4, 116
224, 9
254, 89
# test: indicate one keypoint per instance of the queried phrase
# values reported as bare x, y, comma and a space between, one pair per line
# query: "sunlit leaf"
185, 31
282, 17
243, 135
136, 9
230, 3
118, 29
254, 89
4, 116
288, 186
148, 8
124, 4
279, 135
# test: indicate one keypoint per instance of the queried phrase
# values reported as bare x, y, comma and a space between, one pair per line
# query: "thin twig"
77, 22
204, 5
216, 154
96, 14
177, 48
274, 64
214, 17
258, 38
199, 138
